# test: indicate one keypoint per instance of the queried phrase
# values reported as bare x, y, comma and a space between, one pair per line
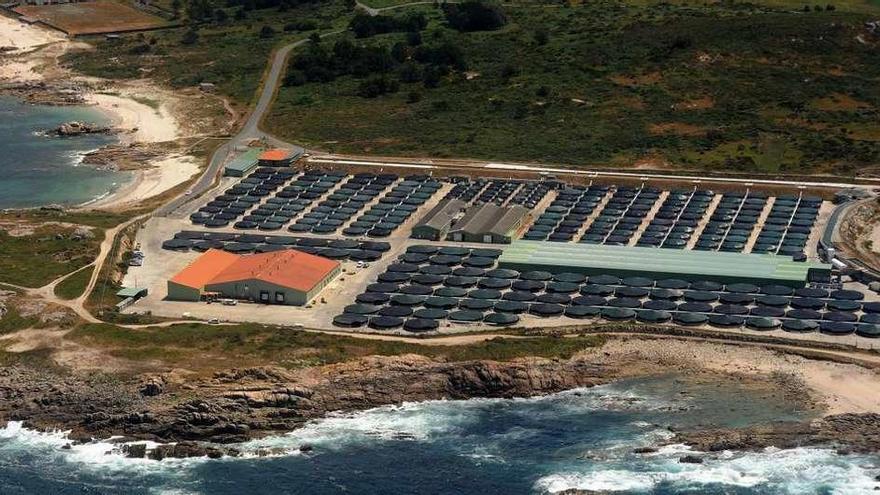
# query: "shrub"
473, 15
377, 86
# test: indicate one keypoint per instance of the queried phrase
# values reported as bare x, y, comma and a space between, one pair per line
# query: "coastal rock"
644, 450
134, 451
76, 128
690, 459
82, 233
153, 386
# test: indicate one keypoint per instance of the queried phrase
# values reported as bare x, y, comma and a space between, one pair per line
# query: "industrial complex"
398, 252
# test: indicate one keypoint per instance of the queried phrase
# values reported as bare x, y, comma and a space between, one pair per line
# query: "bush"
191, 37
377, 86
139, 49
305, 25
267, 32
365, 26
473, 15
445, 55
409, 73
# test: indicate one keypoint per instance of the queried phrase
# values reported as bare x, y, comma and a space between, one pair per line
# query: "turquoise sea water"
37, 170
581, 439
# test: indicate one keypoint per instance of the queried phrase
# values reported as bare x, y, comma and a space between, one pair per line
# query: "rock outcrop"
75, 128
848, 432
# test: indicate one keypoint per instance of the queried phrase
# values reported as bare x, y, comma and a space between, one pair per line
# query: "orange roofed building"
282, 277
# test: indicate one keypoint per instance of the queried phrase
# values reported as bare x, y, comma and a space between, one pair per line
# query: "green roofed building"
243, 163
656, 263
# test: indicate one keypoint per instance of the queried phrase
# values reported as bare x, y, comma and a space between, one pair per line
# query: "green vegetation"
775, 86
74, 285
91, 218
13, 321
382, 4
758, 87
50, 251
224, 43
198, 345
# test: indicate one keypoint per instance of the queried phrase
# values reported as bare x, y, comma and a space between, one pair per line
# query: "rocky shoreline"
849, 433
199, 416
55, 93
205, 416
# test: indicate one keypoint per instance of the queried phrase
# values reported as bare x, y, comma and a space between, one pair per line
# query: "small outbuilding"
489, 223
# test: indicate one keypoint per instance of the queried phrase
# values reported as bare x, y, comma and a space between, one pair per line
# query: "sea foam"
793, 471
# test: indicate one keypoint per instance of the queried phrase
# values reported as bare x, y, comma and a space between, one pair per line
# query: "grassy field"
74, 285
738, 87
198, 346
49, 252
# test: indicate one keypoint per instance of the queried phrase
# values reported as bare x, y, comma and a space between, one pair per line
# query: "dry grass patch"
632, 81
837, 102
676, 128
702, 103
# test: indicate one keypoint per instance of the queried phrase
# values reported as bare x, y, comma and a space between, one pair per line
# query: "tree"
175, 7
541, 36
431, 77
409, 73
472, 15
190, 37
377, 86
221, 16
315, 38
413, 97
413, 38
267, 32
198, 10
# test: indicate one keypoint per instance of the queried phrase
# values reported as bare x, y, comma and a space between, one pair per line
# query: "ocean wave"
106, 455
416, 421
792, 471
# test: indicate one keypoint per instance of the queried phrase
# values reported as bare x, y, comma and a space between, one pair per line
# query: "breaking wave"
793, 471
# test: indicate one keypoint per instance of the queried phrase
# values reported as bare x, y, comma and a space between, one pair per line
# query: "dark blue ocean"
36, 169
581, 439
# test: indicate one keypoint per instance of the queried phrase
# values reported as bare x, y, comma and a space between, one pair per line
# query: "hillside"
770, 87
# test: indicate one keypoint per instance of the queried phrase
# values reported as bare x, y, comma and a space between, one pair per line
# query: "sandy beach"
140, 122
162, 176
24, 37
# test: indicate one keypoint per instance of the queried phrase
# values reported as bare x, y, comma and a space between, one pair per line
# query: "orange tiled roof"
288, 268
204, 268
275, 155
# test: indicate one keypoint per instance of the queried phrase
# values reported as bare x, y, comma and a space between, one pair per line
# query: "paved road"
372, 11
249, 131
429, 165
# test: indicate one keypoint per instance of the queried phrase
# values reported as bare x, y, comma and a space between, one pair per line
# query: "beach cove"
39, 169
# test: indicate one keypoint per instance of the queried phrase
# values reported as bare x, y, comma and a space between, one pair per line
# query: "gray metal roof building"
626, 261
489, 223
243, 163
437, 222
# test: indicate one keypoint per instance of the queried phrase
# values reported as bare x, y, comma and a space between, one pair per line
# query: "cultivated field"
91, 17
